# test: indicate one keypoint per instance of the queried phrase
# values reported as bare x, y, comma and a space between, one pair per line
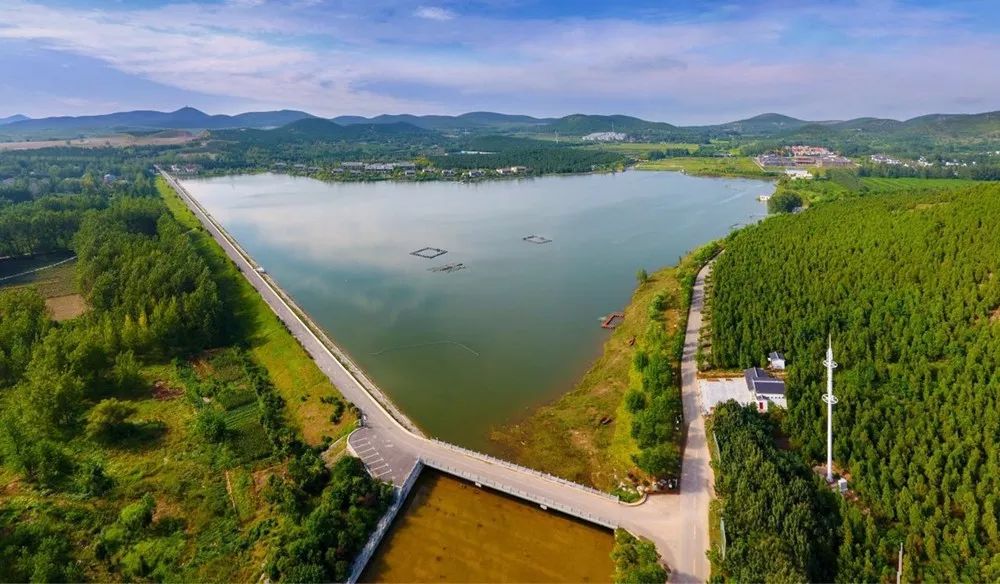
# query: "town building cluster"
803, 156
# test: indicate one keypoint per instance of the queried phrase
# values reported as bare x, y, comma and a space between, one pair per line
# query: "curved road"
677, 524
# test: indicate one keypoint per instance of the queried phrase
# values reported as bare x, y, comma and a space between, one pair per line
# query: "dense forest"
907, 285
779, 525
142, 440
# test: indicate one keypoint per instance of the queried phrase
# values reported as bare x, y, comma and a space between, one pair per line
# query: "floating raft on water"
448, 267
429, 252
536, 239
612, 320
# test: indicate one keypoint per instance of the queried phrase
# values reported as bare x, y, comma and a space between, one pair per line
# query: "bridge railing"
521, 494
365, 555
523, 469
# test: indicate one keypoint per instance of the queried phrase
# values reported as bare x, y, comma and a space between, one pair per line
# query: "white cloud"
434, 13
373, 56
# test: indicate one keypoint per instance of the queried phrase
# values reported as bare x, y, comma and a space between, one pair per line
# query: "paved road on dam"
390, 444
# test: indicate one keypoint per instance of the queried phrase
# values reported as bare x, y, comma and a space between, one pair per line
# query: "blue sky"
682, 62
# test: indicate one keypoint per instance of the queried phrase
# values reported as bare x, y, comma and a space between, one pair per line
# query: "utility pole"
830, 399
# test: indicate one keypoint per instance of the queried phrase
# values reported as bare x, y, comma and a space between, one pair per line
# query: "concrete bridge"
394, 449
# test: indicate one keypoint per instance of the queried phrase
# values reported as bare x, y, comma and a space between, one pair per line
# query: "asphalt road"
677, 524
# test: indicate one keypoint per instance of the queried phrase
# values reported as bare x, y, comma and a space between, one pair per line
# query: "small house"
764, 387
776, 360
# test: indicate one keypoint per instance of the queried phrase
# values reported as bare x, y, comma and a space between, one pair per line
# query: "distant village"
375, 170
405, 169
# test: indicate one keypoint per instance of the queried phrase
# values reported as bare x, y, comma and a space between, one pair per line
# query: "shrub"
784, 202
210, 425
660, 460
636, 560
138, 515
91, 480
635, 400
109, 419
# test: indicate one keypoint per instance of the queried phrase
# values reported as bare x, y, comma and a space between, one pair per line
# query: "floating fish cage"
429, 252
448, 268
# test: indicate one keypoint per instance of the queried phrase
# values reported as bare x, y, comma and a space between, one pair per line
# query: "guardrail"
543, 501
524, 469
365, 555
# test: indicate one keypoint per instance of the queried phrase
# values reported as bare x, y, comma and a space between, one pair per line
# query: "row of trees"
655, 402
908, 287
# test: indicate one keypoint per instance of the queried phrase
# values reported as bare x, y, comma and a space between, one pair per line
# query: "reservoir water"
466, 350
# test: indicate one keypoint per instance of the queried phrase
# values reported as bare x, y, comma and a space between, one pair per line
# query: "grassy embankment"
586, 435
295, 375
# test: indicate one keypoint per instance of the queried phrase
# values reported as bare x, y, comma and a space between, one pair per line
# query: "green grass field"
294, 373
643, 148
709, 166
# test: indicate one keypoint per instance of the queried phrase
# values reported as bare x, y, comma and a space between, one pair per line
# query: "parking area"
717, 391
381, 457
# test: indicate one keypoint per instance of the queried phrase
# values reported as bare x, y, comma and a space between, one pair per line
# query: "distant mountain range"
323, 130
187, 118
469, 121
298, 125
12, 119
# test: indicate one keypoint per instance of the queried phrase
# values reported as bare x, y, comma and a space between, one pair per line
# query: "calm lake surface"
465, 351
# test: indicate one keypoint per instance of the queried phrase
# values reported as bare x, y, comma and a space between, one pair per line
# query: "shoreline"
634, 167
560, 435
